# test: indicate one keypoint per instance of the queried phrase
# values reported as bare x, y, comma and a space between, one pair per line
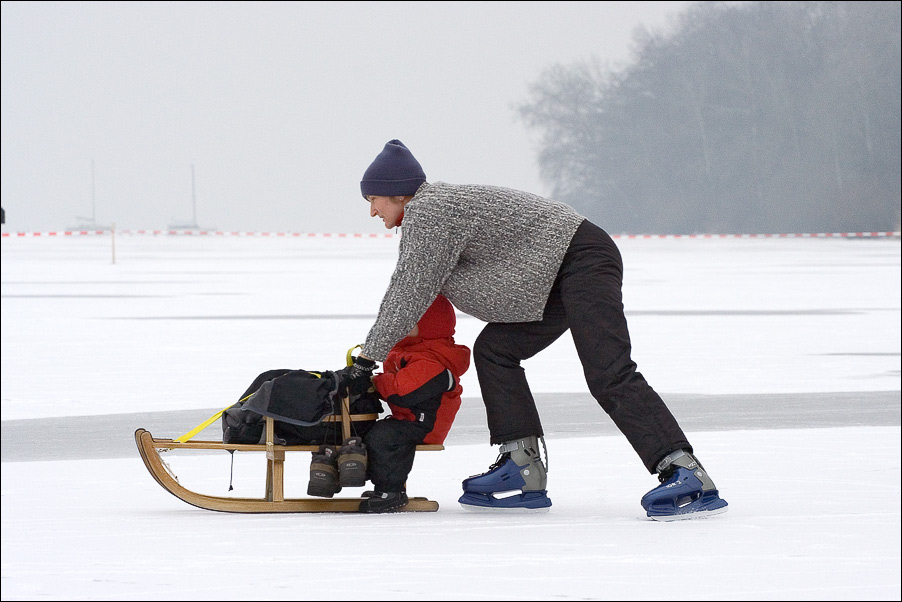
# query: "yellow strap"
190, 434
350, 358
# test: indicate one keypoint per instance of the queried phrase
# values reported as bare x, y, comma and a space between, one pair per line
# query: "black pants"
586, 299
391, 447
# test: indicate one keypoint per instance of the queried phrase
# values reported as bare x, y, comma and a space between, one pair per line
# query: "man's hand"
356, 379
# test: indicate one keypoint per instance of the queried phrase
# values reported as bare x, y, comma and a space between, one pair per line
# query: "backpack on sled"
298, 401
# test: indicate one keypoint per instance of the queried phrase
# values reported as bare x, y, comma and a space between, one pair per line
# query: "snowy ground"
185, 323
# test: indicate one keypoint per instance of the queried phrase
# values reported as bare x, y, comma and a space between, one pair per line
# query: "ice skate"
514, 483
686, 491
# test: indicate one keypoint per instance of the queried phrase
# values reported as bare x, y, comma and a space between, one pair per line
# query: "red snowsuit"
421, 384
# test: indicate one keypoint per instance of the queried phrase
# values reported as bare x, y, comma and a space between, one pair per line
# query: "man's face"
389, 209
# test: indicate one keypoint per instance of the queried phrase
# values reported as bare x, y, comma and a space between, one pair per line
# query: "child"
421, 385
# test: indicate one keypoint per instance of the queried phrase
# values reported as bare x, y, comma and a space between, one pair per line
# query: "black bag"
298, 401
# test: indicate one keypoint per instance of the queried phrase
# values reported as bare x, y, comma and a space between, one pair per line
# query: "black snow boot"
382, 501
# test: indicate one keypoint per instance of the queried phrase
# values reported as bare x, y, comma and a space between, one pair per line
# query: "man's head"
394, 172
390, 182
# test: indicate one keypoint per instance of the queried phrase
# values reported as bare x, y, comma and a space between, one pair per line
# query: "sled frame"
273, 499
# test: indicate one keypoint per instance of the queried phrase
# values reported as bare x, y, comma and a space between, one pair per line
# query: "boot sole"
315, 491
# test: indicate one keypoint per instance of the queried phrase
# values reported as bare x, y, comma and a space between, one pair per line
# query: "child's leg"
391, 445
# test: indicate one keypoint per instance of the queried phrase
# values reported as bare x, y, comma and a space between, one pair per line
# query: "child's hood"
439, 320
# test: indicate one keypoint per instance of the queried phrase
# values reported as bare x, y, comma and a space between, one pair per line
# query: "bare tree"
761, 116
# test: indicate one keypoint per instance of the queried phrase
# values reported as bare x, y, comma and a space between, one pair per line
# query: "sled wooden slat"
273, 499
172, 444
275, 466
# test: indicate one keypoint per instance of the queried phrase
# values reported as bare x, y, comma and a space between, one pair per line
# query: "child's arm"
414, 383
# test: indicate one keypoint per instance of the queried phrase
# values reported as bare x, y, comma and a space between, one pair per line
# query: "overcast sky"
278, 106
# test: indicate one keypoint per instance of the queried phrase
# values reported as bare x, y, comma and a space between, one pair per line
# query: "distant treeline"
755, 117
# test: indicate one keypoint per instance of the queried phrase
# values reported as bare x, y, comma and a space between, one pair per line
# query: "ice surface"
179, 322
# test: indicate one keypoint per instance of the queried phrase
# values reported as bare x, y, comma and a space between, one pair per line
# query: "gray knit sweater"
493, 252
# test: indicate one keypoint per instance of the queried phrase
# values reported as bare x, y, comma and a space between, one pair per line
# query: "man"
532, 268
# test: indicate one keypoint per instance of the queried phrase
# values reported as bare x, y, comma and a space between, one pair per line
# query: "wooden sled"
273, 499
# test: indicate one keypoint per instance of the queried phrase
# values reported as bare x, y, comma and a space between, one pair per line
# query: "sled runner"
273, 499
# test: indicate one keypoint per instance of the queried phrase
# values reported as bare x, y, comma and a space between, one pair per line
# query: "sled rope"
190, 434
232, 469
168, 469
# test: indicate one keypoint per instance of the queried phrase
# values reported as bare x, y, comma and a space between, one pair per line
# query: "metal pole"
93, 197
193, 197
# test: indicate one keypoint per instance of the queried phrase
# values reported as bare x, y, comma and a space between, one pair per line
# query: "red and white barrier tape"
216, 233
213, 233
795, 235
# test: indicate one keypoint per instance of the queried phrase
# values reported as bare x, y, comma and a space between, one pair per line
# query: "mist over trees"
757, 117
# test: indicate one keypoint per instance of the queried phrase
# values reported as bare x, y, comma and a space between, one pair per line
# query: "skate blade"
508, 502
502, 510
669, 518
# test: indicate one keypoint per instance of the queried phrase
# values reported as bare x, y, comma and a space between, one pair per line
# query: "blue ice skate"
528, 501
686, 491
516, 481
503, 475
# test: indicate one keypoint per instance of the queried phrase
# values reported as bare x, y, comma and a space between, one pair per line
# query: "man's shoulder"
471, 200
446, 188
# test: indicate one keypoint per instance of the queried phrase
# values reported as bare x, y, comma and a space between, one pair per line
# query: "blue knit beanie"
395, 172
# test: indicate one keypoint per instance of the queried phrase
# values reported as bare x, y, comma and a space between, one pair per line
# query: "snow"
175, 323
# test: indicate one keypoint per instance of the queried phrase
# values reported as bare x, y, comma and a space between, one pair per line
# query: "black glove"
356, 379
